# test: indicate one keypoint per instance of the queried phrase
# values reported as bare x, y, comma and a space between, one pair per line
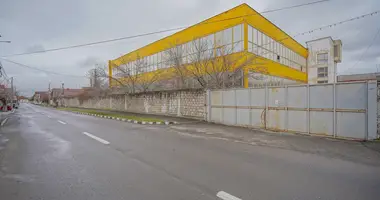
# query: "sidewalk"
363, 152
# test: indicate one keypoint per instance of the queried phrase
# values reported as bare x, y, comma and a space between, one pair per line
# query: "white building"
324, 54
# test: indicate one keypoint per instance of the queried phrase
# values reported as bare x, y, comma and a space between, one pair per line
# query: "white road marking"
4, 121
225, 196
49, 116
61, 122
96, 138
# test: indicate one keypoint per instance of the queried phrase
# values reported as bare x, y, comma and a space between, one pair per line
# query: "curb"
127, 120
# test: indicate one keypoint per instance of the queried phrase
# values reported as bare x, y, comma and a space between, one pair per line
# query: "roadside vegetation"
110, 114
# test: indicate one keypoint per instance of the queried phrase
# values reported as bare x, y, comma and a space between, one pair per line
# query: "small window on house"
322, 72
322, 58
278, 58
325, 81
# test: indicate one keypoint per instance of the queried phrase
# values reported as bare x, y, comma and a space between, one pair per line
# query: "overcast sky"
34, 25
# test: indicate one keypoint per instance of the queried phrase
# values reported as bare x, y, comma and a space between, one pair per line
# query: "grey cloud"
33, 48
90, 62
44, 24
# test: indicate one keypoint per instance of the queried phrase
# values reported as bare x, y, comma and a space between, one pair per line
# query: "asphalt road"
55, 155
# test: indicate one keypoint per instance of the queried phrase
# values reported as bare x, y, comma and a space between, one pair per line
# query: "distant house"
57, 94
41, 97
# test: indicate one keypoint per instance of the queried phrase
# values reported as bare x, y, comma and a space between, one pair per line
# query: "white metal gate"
346, 110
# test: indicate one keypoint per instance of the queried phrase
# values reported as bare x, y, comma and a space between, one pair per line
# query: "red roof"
72, 92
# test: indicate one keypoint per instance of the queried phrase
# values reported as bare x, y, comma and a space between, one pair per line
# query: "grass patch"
110, 114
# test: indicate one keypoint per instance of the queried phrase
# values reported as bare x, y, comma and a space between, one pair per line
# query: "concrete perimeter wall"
183, 103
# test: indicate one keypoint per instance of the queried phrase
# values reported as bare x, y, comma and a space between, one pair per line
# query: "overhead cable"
158, 32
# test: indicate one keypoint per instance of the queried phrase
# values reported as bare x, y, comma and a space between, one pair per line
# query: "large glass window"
261, 44
221, 43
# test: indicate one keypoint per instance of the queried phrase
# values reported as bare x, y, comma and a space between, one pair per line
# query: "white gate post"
308, 108
334, 110
266, 106
236, 112
286, 108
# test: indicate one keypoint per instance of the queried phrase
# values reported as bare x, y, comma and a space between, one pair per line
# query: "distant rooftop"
358, 77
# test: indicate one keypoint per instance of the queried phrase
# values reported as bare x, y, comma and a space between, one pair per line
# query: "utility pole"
62, 92
49, 93
12, 87
63, 88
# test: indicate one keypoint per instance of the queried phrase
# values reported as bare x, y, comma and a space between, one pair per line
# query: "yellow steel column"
109, 74
245, 71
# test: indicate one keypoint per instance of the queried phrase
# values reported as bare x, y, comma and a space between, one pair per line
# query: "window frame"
325, 72
319, 60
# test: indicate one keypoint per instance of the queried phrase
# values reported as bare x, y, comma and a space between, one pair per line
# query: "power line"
162, 31
38, 69
295, 6
301, 33
368, 47
339, 23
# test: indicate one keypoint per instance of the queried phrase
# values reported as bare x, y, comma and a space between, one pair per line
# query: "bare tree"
174, 59
130, 76
211, 67
97, 77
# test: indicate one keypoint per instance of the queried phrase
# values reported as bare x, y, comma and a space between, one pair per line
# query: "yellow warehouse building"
244, 30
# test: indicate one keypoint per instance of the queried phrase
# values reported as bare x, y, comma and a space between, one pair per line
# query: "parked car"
15, 104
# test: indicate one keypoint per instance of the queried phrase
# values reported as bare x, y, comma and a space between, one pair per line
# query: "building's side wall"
316, 47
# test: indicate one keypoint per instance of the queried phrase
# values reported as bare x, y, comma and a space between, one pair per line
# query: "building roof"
41, 92
358, 77
44, 95
72, 92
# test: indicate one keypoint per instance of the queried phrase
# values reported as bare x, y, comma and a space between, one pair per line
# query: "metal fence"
346, 110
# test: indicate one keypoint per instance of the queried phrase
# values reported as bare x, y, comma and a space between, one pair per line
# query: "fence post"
308, 108
179, 104
125, 102
334, 110
236, 113
110, 97
366, 113
286, 109
250, 106
222, 107
266, 105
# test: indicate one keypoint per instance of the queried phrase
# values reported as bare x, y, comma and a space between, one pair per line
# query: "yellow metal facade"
278, 54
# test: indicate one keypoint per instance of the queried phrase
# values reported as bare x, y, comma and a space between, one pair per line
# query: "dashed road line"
96, 138
49, 116
4, 121
225, 196
61, 122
